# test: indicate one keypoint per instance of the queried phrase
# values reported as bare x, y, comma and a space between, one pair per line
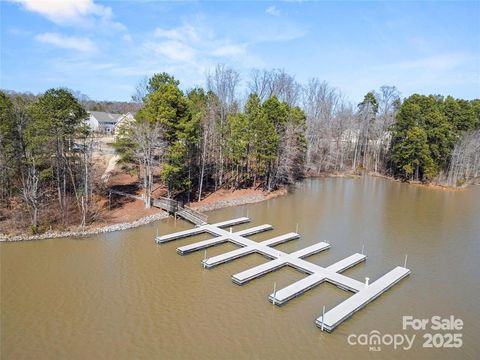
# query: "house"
103, 122
124, 120
349, 136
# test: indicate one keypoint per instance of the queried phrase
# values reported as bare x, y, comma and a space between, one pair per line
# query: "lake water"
121, 296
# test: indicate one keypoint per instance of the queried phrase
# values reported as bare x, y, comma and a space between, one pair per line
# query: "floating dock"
243, 251
221, 239
299, 287
347, 308
363, 291
199, 230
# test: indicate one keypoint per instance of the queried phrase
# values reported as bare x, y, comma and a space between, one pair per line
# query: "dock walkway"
347, 308
364, 293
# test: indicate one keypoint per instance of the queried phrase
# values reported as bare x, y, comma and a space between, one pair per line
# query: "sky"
104, 48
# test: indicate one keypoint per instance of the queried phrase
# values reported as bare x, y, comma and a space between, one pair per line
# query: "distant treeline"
115, 107
203, 139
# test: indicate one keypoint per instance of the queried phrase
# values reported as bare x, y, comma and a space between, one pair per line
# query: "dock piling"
274, 291
405, 264
323, 315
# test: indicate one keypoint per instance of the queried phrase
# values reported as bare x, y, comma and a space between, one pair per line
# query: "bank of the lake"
220, 199
217, 200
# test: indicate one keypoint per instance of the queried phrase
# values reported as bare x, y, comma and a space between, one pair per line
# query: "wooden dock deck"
364, 293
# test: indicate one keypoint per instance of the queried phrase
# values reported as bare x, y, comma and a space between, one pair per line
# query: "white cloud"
230, 50
182, 33
72, 12
272, 10
195, 44
174, 50
67, 42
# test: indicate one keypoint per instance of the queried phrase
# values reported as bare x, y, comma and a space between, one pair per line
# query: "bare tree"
276, 82
321, 103
465, 161
30, 177
88, 185
388, 101
141, 91
223, 82
208, 140
290, 160
150, 145
260, 83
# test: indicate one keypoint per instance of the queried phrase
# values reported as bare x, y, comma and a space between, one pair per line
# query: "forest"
263, 132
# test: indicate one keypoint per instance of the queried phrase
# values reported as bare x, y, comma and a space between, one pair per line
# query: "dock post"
323, 316
405, 264
296, 230
367, 279
363, 248
274, 292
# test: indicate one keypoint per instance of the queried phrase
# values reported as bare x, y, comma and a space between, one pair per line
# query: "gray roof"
103, 117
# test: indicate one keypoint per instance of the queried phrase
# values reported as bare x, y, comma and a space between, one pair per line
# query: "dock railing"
177, 208
166, 204
192, 215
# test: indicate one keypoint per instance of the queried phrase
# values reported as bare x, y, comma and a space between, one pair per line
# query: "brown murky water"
120, 296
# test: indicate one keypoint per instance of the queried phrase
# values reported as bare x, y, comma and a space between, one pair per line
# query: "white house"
125, 119
103, 122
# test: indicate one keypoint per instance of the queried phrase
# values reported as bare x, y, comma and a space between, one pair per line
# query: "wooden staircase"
185, 212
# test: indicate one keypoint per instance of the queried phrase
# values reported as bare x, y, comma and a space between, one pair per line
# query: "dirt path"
110, 167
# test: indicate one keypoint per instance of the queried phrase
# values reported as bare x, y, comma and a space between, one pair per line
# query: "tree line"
45, 157
115, 107
428, 131
269, 132
204, 139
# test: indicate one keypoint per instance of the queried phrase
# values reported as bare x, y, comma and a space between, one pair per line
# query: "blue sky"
104, 48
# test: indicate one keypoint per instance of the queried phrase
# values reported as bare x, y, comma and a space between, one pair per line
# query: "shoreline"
202, 206
431, 186
207, 205
83, 233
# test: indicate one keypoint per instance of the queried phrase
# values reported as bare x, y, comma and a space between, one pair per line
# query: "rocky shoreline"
139, 222
230, 203
82, 233
215, 205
